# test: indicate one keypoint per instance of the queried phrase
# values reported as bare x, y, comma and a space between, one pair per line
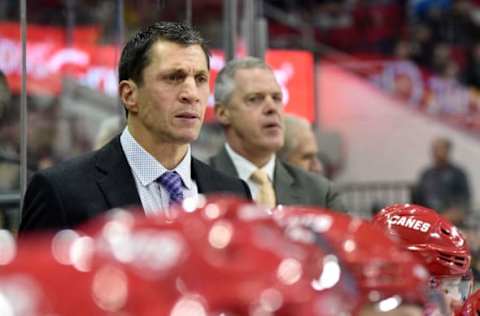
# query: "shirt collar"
146, 167
245, 168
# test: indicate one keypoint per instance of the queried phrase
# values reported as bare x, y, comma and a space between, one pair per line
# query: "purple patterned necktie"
172, 182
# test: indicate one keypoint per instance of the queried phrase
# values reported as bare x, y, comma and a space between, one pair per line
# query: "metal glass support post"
23, 105
70, 6
255, 28
229, 28
248, 26
260, 31
261, 37
188, 13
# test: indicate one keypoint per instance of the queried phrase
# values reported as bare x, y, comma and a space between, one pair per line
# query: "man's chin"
187, 136
186, 140
273, 146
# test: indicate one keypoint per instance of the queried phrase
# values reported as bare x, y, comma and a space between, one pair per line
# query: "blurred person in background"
109, 128
249, 105
9, 160
444, 186
472, 70
5, 95
300, 146
164, 87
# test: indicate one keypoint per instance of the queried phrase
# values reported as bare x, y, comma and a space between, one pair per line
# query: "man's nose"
272, 106
189, 92
316, 165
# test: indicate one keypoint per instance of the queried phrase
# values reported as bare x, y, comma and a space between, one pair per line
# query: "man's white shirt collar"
245, 168
146, 167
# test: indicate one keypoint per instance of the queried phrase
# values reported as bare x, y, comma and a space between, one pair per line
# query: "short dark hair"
135, 55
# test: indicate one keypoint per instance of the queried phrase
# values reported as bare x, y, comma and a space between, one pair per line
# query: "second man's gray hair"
225, 83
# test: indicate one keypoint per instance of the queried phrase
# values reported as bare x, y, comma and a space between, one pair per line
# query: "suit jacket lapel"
114, 176
202, 177
285, 191
224, 163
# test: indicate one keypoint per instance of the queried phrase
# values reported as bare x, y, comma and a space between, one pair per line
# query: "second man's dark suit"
292, 185
74, 191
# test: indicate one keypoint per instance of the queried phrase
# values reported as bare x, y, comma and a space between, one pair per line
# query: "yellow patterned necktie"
266, 195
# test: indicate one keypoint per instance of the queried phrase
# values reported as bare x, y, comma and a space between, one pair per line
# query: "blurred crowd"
433, 30
440, 35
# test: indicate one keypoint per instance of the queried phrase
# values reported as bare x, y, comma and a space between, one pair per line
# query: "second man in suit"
248, 103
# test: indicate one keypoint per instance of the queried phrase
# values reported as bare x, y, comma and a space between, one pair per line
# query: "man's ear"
222, 112
128, 92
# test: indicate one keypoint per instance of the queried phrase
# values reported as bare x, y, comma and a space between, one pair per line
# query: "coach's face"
169, 105
254, 113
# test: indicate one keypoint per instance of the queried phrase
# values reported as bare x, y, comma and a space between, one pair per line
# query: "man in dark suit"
248, 103
164, 86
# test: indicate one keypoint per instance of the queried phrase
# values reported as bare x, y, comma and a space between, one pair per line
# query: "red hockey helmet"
435, 241
228, 253
438, 243
54, 275
388, 276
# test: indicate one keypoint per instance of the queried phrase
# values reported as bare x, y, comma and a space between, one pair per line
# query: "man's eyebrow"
171, 70
182, 70
255, 93
202, 72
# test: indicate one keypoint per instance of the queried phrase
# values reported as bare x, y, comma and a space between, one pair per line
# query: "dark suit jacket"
292, 185
74, 191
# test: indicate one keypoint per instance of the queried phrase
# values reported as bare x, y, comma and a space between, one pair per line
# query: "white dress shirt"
146, 169
245, 169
